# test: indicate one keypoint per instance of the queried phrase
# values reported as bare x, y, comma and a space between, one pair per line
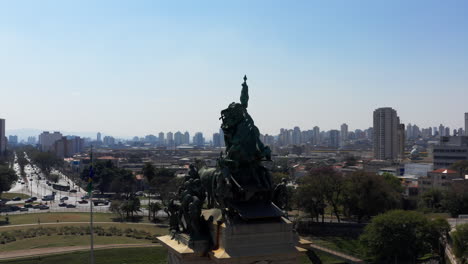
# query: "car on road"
34, 198
73, 191
83, 202
100, 202
36, 206
62, 205
29, 200
71, 206
23, 209
28, 205
43, 207
64, 198
48, 197
14, 208
16, 198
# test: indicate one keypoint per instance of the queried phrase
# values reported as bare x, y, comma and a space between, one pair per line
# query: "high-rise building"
31, 140
409, 131
466, 124
198, 139
47, 140
401, 140
178, 138
334, 139
161, 138
450, 150
68, 146
169, 138
221, 137
447, 132
186, 138
296, 136
98, 137
441, 130
108, 141
12, 139
3, 140
388, 136
316, 138
343, 134
216, 140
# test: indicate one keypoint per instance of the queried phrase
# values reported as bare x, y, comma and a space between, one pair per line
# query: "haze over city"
138, 68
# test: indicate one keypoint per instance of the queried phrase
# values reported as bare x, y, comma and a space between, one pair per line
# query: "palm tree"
154, 208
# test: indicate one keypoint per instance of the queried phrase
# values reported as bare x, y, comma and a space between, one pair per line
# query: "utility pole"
90, 187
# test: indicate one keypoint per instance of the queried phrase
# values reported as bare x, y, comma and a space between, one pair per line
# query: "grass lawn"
62, 217
68, 240
104, 256
156, 255
13, 195
148, 228
343, 244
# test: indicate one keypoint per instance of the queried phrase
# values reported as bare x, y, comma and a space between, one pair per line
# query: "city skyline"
76, 67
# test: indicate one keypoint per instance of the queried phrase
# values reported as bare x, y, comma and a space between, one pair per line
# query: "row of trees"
360, 195
7, 174
453, 200
109, 178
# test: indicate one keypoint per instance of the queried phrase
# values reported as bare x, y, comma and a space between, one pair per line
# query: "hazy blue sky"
138, 67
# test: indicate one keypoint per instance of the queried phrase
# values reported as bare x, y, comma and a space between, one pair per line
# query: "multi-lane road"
35, 184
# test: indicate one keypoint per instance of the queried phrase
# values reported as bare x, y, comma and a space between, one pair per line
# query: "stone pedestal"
272, 242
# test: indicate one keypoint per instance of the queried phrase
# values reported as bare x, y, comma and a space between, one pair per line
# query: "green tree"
393, 181
109, 178
431, 200
367, 194
330, 186
130, 206
22, 162
154, 208
148, 171
350, 160
46, 161
310, 196
460, 242
116, 208
461, 166
7, 178
398, 236
455, 200
165, 184
123, 182
276, 177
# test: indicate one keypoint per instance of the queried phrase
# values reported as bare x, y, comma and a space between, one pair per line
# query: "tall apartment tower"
334, 139
343, 134
98, 137
466, 124
389, 134
3, 141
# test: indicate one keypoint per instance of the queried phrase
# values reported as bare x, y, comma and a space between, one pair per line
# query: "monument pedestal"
272, 242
